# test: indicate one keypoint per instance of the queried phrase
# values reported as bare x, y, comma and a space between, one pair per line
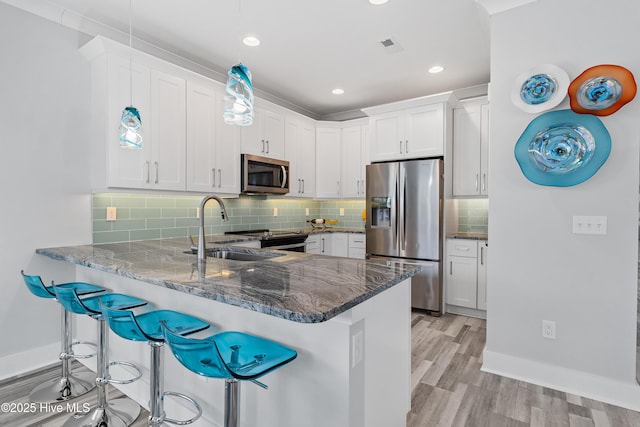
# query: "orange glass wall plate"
602, 90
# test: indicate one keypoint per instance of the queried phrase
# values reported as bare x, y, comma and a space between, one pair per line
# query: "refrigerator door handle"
403, 203
396, 211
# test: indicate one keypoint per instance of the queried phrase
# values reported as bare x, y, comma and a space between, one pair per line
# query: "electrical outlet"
341, 211
549, 329
112, 213
198, 213
275, 211
589, 224
306, 211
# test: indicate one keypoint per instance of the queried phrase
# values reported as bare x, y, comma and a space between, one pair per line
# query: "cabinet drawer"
357, 241
462, 247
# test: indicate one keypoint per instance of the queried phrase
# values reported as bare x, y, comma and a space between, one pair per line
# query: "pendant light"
238, 102
130, 121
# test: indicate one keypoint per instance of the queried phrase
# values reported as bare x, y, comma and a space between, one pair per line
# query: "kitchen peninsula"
348, 319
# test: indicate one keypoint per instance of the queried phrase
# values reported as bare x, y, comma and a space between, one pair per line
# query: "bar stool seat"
147, 327
120, 412
70, 384
232, 356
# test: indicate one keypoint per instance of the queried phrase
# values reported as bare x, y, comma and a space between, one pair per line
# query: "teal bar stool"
147, 327
233, 356
120, 412
69, 385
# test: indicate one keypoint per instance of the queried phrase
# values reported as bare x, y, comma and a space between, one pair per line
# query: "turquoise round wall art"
562, 148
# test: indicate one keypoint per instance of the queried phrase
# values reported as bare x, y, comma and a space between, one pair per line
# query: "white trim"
583, 384
27, 361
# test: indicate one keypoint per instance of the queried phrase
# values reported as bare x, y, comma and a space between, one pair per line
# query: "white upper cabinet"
328, 163
471, 148
213, 160
300, 151
355, 155
265, 137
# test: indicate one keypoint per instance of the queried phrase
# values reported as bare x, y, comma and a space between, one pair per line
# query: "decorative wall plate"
540, 88
602, 90
562, 148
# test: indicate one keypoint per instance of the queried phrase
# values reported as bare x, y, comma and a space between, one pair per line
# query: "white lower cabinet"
357, 246
465, 278
346, 245
340, 244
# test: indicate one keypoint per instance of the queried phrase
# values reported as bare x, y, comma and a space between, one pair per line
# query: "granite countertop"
300, 287
470, 236
333, 229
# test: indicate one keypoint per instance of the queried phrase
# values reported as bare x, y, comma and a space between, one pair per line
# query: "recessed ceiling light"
377, 2
337, 91
436, 69
251, 41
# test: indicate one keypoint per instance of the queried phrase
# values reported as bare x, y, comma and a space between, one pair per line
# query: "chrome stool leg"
231, 402
156, 385
69, 385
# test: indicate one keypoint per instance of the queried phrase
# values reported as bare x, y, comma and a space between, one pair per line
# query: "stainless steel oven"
293, 241
262, 175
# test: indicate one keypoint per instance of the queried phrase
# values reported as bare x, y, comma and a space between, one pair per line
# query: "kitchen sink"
237, 254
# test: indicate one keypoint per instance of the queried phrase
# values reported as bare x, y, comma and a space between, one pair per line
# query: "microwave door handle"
284, 177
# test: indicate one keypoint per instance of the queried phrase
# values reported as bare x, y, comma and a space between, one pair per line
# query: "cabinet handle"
219, 178
267, 146
477, 177
148, 171
262, 145
481, 255
484, 182
156, 163
450, 268
302, 186
462, 248
213, 172
338, 187
400, 147
322, 245
406, 146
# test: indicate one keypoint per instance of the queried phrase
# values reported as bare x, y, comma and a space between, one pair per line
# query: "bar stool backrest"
36, 286
68, 298
124, 324
198, 355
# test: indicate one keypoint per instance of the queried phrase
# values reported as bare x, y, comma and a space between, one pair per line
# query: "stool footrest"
82, 356
195, 404
128, 381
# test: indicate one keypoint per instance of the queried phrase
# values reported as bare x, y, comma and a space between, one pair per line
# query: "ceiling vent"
390, 45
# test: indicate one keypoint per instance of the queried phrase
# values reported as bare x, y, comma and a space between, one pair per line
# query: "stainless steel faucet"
201, 244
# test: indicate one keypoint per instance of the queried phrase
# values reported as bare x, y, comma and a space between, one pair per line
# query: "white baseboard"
626, 395
26, 361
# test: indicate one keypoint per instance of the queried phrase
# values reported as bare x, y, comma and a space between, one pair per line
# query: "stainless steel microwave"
262, 175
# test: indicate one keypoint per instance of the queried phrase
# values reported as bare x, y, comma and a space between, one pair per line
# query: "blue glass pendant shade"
562, 148
238, 102
130, 128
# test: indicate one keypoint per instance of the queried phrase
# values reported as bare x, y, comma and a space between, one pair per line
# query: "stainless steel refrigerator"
404, 223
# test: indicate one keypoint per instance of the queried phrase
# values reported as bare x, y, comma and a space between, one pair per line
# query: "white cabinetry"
407, 134
340, 244
328, 163
213, 159
357, 245
465, 281
300, 151
355, 156
471, 148
265, 137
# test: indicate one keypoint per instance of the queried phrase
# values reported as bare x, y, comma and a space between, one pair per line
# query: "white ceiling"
311, 47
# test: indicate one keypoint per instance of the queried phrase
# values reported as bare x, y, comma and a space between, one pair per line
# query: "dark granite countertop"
469, 236
300, 287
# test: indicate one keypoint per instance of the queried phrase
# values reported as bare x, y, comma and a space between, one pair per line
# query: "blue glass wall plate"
562, 148
540, 88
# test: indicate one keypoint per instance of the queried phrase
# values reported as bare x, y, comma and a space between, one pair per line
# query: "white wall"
539, 269
44, 176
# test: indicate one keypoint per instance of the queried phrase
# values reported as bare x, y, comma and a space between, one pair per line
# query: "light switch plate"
589, 224
341, 211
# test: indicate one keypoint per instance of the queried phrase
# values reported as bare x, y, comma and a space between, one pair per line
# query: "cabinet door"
351, 175
307, 160
127, 168
227, 154
201, 138
313, 244
340, 244
328, 163
424, 131
466, 151
482, 274
273, 125
387, 137
168, 128
484, 150
292, 148
252, 139
461, 281
326, 244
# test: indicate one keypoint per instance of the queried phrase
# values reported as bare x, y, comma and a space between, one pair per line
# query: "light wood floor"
448, 388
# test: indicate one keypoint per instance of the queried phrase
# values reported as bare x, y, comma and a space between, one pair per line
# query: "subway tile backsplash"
156, 216
150, 216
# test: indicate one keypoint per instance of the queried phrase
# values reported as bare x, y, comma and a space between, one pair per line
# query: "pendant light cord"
130, 58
